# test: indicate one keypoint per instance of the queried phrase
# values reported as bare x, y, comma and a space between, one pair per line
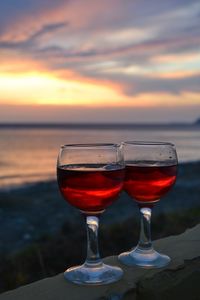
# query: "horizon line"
94, 125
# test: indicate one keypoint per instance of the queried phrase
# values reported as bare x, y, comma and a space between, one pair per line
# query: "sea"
28, 154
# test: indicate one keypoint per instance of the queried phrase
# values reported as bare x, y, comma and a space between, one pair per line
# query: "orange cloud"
180, 57
13, 62
178, 74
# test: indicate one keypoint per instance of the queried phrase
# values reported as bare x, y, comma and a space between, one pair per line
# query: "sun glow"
42, 88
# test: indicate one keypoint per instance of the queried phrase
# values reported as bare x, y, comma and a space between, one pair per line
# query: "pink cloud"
76, 37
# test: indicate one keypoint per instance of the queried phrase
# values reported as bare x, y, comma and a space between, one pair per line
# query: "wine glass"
90, 177
151, 169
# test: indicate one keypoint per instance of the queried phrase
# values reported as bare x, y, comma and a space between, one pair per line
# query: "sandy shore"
38, 210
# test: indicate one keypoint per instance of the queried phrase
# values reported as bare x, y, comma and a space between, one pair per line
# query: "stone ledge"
179, 280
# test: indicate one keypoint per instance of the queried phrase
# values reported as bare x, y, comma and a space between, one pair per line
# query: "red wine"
91, 188
147, 184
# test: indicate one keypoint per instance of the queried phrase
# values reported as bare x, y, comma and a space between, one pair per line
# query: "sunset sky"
99, 61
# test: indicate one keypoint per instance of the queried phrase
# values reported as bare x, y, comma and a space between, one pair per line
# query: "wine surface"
149, 183
91, 188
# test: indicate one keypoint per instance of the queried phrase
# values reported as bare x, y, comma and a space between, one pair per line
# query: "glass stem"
93, 258
145, 242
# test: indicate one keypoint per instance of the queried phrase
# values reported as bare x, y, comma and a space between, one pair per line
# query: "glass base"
144, 258
88, 275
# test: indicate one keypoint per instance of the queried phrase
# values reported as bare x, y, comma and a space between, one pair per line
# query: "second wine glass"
151, 169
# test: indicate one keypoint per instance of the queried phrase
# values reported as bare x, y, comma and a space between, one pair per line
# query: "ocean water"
29, 155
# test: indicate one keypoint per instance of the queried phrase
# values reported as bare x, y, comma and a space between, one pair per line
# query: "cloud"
118, 42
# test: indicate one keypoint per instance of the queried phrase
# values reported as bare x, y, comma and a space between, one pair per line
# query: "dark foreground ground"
41, 234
